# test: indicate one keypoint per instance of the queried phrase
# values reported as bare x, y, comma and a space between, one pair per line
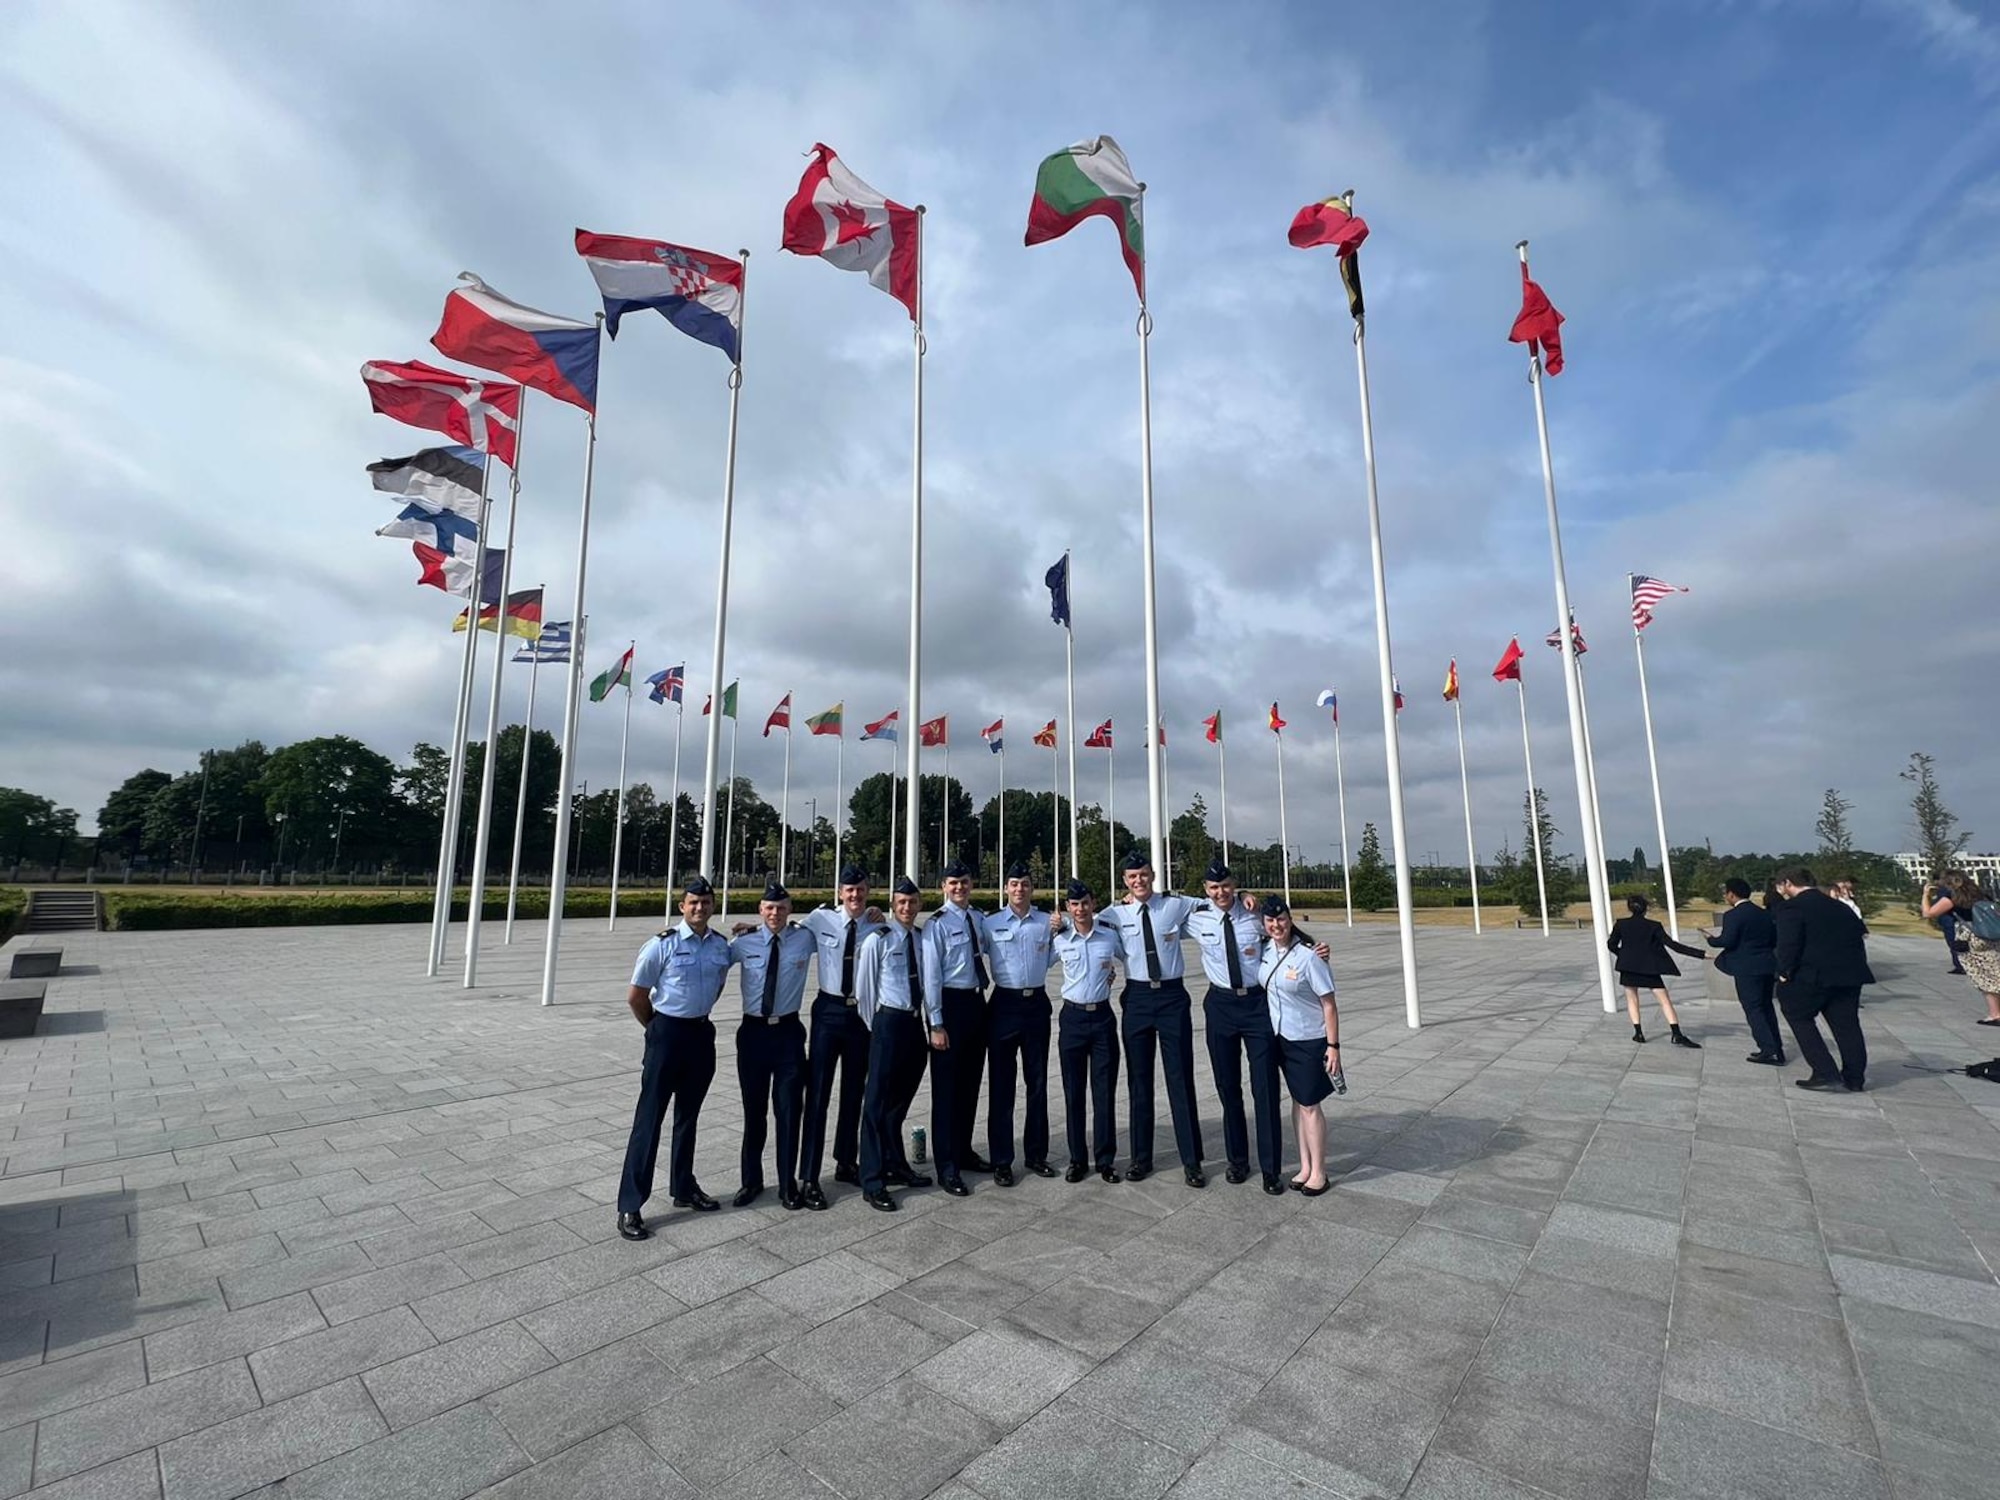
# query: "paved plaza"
279, 1216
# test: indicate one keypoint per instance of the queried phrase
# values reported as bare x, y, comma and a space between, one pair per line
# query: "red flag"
1046, 738
1451, 682
1100, 737
1213, 724
1509, 667
1539, 326
481, 414
781, 717
1396, 688
1330, 222
1276, 723
1163, 736
933, 733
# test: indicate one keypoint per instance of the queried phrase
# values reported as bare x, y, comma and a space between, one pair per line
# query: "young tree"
1374, 886
1526, 889
1939, 837
1193, 846
1639, 866
1835, 839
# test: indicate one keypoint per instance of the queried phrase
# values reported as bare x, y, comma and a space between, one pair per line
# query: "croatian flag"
552, 354
991, 734
699, 293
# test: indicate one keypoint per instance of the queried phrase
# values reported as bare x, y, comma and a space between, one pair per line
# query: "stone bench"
36, 963
21, 1003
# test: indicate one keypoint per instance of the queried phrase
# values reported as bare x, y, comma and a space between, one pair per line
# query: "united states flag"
1646, 592
553, 644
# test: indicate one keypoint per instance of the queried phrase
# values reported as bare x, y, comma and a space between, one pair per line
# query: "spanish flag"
1277, 724
1451, 682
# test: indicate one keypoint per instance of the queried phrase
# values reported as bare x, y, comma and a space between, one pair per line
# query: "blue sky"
1771, 226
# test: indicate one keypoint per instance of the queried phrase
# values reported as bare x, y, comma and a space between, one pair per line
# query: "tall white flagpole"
1340, 786
1600, 904
944, 826
1000, 856
461, 715
1405, 920
1465, 789
1055, 817
1166, 801
1284, 833
521, 794
565, 804
712, 745
1590, 766
1222, 786
1653, 764
729, 818
618, 827
893, 825
1534, 808
839, 792
785, 800
1155, 785
912, 850
1110, 823
482, 839
1069, 724
674, 812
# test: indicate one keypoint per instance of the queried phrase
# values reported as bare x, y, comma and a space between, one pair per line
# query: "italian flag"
1090, 178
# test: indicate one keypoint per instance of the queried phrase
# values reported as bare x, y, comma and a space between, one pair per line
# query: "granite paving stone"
86, 1436
615, 1462
262, 1446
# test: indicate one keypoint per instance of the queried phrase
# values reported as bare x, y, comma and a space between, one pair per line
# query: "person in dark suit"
1641, 946
1748, 940
1822, 964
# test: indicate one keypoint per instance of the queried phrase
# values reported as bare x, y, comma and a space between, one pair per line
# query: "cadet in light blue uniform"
1299, 988
1088, 1049
954, 954
839, 1038
775, 962
675, 985
1018, 1028
1230, 936
888, 977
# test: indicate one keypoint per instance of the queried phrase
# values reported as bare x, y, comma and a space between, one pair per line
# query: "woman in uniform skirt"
1640, 945
1298, 988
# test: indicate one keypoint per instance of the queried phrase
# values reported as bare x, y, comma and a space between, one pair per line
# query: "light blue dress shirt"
1089, 963
1294, 978
1170, 915
752, 952
1020, 948
952, 937
1212, 928
683, 972
828, 925
882, 974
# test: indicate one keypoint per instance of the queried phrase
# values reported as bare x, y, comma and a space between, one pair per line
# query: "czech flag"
552, 354
699, 293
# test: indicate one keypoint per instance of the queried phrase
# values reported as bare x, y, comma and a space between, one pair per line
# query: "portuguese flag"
828, 722
1091, 177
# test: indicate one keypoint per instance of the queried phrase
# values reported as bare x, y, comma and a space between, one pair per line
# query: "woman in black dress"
1641, 946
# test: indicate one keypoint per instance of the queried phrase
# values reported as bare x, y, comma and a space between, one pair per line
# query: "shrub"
13, 901
159, 910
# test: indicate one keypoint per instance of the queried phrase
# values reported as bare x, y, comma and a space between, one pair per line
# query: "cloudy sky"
1772, 225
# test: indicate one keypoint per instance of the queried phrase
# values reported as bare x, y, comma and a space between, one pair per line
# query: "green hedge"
162, 910
13, 901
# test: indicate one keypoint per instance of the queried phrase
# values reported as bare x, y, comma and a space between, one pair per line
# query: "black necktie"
771, 978
847, 963
1229, 947
916, 976
1152, 947
978, 955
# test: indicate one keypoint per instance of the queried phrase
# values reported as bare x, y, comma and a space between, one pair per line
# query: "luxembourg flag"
552, 354
699, 293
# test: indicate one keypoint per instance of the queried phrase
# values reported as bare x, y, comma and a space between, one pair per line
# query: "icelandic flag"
552, 354
701, 294
669, 684
443, 478
454, 574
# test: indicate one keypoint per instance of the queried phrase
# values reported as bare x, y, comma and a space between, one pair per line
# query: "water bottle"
919, 1144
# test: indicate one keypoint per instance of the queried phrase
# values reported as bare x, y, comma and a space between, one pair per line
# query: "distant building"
1984, 868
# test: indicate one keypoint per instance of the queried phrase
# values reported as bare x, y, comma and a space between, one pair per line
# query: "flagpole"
1069, 724
618, 824
785, 800
1600, 905
729, 819
490, 773
1222, 791
1155, 789
1590, 767
1465, 789
521, 794
674, 816
1000, 857
1534, 809
944, 827
1110, 822
1055, 815
1340, 785
839, 791
1284, 835
461, 715
712, 748
1167, 835
912, 850
1405, 921
1653, 764
892, 811
565, 805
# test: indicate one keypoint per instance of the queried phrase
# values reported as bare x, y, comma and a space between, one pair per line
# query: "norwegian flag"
1554, 637
1646, 592
991, 734
781, 717
934, 732
1100, 737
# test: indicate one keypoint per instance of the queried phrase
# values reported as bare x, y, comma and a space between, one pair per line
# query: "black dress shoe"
1076, 1173
1195, 1179
956, 1187
1004, 1176
974, 1162
1235, 1174
1110, 1174
814, 1197
1854, 1088
632, 1227
1817, 1085
1041, 1169
907, 1179
1272, 1186
1137, 1173
882, 1201
849, 1175
789, 1199
747, 1196
699, 1201
1769, 1059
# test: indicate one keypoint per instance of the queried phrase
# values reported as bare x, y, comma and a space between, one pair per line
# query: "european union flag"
1057, 578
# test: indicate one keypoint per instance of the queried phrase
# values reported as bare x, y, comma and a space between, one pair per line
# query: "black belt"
1022, 994
1091, 1006
847, 1000
790, 1015
1242, 990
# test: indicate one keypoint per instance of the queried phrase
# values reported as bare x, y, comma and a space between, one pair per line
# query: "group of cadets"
966, 995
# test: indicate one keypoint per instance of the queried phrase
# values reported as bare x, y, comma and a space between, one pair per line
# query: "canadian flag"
841, 219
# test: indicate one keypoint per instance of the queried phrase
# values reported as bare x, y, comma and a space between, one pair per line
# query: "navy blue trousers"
771, 1068
839, 1044
1088, 1051
678, 1068
1239, 1026
1159, 1019
897, 1046
1018, 1032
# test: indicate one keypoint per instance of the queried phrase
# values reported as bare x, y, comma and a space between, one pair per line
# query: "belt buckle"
772, 1020
849, 1001
1240, 990
1093, 1005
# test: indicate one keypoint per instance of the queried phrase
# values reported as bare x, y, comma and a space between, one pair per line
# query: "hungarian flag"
618, 674
670, 684
699, 293
1508, 668
933, 733
1100, 737
453, 574
524, 615
554, 355
844, 221
781, 717
728, 703
1213, 724
1090, 178
991, 734
1451, 682
482, 414
828, 722
1330, 703
1539, 326
1646, 592
1046, 736
882, 729
1277, 724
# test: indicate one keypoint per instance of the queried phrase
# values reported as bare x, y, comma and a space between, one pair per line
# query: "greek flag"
552, 646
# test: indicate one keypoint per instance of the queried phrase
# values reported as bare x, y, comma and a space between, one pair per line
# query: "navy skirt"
1642, 981
1305, 1069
